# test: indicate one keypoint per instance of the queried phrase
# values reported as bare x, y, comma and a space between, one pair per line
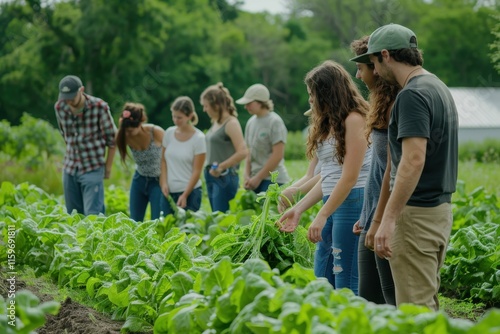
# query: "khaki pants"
418, 250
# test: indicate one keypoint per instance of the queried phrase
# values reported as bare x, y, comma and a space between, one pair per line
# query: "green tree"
455, 39
495, 46
107, 44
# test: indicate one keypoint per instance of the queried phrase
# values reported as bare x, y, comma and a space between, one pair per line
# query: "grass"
476, 174
49, 178
462, 309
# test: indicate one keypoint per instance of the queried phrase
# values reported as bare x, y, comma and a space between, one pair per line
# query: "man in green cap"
423, 140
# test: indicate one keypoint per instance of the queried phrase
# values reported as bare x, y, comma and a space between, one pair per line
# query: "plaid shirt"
86, 134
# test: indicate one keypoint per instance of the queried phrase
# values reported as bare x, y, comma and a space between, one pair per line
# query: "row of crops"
229, 273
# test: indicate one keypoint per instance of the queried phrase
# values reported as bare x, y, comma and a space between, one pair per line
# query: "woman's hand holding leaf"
289, 221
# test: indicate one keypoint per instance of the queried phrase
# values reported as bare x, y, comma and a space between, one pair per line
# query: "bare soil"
73, 318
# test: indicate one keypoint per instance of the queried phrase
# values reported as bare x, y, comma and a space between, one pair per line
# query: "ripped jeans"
336, 256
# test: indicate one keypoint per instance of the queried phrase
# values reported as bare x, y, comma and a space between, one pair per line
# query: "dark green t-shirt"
425, 109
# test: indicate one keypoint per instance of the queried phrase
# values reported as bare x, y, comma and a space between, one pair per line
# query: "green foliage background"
152, 51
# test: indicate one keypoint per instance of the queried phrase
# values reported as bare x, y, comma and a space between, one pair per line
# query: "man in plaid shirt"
88, 128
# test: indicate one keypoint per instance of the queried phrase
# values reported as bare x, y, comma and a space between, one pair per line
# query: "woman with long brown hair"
337, 137
375, 276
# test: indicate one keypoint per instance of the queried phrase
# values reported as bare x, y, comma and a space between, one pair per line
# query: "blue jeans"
375, 276
84, 192
340, 244
193, 201
323, 259
263, 186
221, 189
144, 190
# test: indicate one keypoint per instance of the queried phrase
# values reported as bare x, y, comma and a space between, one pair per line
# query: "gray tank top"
148, 161
219, 145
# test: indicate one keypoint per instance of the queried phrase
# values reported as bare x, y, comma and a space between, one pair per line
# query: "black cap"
69, 86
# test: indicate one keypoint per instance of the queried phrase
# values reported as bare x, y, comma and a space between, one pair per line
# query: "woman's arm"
233, 130
301, 186
163, 174
382, 203
290, 219
248, 168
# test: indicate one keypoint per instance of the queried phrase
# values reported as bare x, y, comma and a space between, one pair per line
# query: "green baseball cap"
389, 37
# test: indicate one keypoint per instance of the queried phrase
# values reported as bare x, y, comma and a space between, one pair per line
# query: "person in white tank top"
337, 136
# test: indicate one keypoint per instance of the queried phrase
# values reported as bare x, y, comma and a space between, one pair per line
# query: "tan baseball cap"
256, 92
308, 113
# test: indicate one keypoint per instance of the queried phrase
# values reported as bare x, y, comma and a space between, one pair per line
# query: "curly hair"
219, 99
381, 97
133, 115
335, 96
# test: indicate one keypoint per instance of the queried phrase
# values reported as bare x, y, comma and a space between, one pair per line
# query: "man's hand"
383, 238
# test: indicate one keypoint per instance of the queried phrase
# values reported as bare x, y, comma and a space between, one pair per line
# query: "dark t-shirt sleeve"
414, 119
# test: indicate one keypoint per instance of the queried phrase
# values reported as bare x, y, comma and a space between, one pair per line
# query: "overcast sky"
273, 6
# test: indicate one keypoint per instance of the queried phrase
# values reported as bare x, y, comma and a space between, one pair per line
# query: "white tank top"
331, 170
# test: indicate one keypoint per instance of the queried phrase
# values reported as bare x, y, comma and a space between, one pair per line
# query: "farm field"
210, 272
119, 267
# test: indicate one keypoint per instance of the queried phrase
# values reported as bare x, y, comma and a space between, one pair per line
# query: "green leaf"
90, 286
220, 277
134, 324
181, 321
182, 283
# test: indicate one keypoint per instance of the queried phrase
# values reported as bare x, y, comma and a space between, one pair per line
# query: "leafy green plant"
471, 265
32, 142
24, 313
116, 200
261, 238
478, 206
163, 281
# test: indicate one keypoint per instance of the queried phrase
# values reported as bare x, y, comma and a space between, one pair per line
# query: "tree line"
152, 51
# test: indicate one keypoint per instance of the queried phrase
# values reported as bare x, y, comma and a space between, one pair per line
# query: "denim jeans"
84, 192
323, 258
193, 201
263, 186
340, 244
221, 189
144, 190
375, 276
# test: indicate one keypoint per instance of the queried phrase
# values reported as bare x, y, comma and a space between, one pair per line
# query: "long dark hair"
381, 97
133, 115
335, 96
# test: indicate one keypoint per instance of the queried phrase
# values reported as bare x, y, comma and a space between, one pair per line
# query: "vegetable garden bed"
176, 276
